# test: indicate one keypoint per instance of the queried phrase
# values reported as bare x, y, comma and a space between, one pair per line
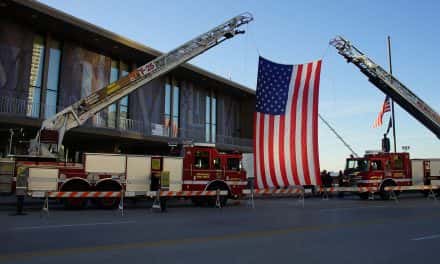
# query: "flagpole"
392, 101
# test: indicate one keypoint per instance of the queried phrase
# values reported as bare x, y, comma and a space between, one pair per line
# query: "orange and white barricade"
326, 190
429, 188
158, 195
296, 190
79, 195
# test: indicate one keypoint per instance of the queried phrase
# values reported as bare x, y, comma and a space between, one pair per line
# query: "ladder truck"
201, 169
382, 169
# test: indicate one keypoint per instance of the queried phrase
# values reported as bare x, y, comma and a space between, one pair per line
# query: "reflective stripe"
379, 181
242, 183
187, 193
42, 179
196, 182
347, 189
206, 182
413, 187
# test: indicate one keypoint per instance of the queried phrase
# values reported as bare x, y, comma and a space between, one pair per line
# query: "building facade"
49, 60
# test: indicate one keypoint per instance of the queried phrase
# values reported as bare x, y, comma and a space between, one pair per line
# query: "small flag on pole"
386, 107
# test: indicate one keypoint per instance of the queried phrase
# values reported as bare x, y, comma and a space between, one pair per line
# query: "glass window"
175, 123
36, 77
53, 79
123, 103
207, 118
376, 165
213, 119
167, 110
201, 160
398, 163
234, 164
210, 118
171, 111
114, 76
217, 163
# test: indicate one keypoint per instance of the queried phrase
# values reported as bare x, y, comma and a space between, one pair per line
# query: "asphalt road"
275, 231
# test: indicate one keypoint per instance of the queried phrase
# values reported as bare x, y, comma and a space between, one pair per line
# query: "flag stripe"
298, 121
315, 124
292, 131
266, 151
256, 160
262, 150
271, 128
304, 117
287, 147
281, 151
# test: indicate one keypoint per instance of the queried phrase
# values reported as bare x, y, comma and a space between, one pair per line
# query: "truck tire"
384, 195
108, 186
75, 185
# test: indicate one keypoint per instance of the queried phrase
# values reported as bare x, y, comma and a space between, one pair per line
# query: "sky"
295, 32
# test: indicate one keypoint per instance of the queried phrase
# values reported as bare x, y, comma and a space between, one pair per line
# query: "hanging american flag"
385, 108
286, 125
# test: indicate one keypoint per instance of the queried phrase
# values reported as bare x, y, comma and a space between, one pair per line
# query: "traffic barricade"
158, 196
296, 190
428, 188
325, 191
77, 195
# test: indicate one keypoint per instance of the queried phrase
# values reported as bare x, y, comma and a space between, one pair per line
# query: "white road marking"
72, 225
426, 237
350, 208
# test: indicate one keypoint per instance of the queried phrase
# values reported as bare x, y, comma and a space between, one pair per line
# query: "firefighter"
20, 190
385, 143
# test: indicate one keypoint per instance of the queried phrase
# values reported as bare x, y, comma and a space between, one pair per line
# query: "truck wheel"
108, 186
75, 186
384, 195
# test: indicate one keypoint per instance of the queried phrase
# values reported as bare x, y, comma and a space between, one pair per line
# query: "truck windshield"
357, 165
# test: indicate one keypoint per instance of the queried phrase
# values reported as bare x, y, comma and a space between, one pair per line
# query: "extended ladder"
79, 112
389, 85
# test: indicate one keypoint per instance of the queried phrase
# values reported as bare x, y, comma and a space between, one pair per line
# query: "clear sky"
294, 32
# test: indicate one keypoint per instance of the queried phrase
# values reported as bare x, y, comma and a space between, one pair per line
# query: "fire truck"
200, 168
382, 169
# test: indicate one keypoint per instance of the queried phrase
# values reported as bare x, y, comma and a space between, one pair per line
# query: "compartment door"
138, 174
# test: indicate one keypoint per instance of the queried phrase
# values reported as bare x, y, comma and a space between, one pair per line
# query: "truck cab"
205, 168
378, 169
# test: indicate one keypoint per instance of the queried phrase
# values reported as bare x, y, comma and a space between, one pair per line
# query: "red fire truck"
200, 168
380, 169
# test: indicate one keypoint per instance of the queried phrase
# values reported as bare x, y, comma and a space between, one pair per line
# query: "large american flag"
385, 108
286, 125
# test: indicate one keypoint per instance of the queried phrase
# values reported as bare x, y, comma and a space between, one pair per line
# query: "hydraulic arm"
79, 112
389, 85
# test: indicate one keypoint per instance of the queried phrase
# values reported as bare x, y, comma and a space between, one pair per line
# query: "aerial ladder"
79, 112
390, 85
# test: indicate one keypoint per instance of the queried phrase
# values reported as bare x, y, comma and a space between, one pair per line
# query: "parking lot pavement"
279, 229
